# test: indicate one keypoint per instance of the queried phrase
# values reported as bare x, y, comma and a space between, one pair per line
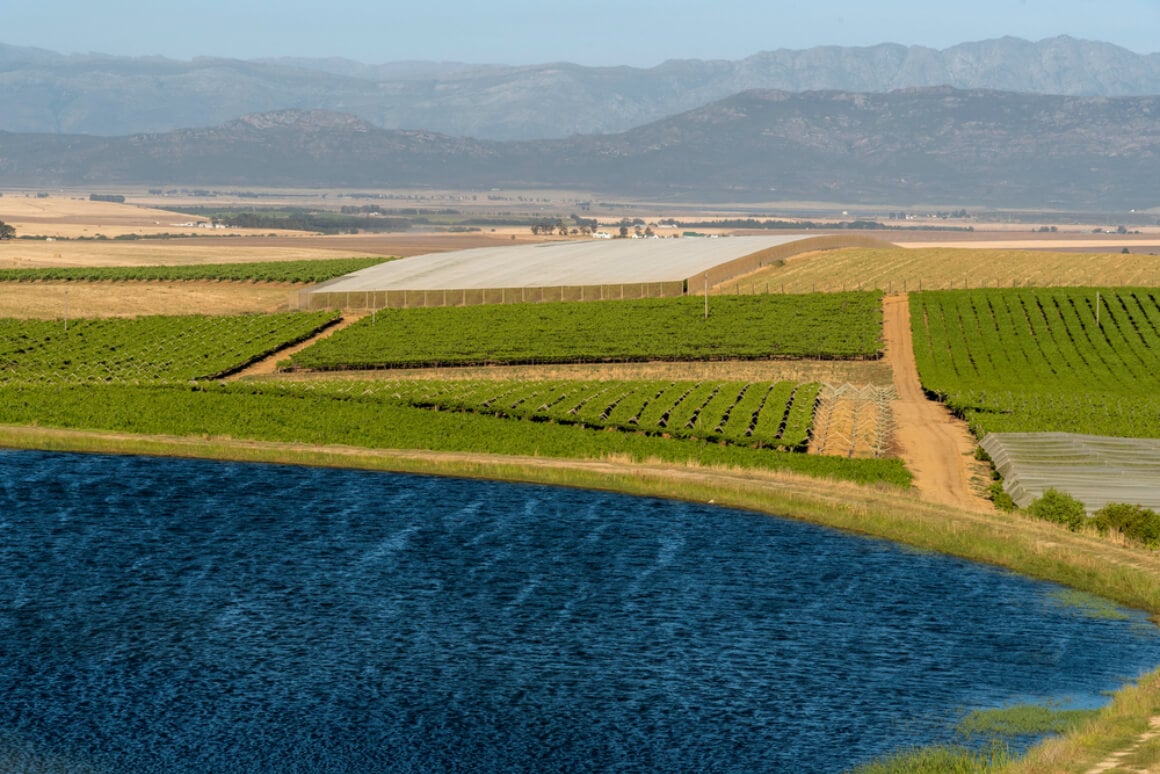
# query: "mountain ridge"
112, 96
923, 145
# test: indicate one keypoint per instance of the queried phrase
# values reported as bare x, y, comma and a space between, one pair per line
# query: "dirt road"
938, 449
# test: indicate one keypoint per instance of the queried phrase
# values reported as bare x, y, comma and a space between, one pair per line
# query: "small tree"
6, 231
1141, 525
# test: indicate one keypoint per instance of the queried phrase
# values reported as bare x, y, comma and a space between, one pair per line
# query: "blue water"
188, 616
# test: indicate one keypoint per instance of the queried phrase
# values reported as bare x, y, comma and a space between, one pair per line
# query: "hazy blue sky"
593, 32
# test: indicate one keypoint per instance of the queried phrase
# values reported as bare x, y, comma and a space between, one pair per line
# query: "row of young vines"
758, 414
1080, 360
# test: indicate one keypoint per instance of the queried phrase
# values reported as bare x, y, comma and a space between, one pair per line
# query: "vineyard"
290, 413
758, 414
145, 349
289, 272
1068, 360
846, 325
945, 268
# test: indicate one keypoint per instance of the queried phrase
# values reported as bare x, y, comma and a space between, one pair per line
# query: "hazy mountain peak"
46, 92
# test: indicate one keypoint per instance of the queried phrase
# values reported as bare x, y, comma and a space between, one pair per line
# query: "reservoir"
168, 615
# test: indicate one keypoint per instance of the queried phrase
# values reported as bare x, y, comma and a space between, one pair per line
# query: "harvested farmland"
291, 272
1080, 360
843, 325
146, 349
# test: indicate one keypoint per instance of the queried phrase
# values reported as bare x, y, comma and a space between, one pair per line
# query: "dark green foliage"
1060, 508
272, 271
6, 231
1138, 524
837, 325
310, 220
1000, 498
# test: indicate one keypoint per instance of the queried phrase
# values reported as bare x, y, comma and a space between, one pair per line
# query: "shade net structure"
582, 270
1094, 469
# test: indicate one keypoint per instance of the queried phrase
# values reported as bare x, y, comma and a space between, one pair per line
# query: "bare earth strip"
270, 364
938, 449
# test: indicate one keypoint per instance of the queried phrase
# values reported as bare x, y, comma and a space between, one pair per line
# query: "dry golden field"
930, 268
57, 300
22, 254
69, 218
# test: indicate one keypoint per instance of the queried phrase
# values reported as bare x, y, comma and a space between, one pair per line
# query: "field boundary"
935, 446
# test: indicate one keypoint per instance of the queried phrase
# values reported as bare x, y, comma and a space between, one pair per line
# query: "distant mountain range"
913, 146
42, 91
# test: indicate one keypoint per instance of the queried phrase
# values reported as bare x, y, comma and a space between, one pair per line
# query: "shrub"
1059, 507
1138, 524
1000, 498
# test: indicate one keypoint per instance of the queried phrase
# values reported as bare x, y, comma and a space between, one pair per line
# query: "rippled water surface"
190, 616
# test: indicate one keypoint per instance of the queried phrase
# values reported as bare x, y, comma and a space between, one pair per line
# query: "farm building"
586, 270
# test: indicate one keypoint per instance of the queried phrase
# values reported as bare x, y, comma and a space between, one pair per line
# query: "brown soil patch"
270, 364
57, 300
937, 448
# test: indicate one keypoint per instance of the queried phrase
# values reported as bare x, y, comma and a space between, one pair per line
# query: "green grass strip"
292, 272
